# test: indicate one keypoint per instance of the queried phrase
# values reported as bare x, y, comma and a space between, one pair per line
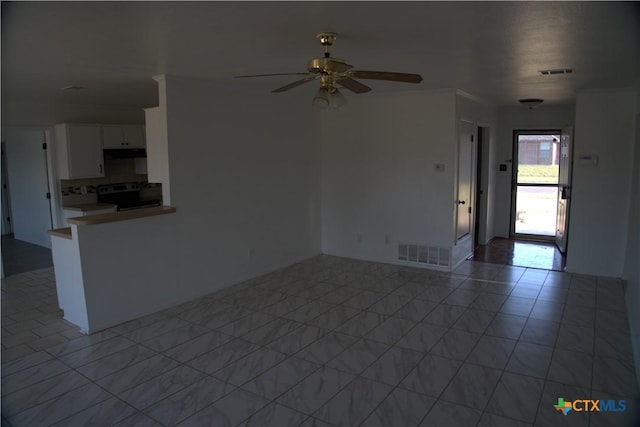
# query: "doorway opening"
535, 184
26, 200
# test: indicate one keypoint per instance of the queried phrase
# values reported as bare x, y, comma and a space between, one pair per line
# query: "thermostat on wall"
589, 160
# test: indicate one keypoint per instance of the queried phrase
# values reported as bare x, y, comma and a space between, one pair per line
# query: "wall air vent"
422, 254
556, 71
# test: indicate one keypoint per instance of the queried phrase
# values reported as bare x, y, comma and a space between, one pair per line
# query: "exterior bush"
538, 174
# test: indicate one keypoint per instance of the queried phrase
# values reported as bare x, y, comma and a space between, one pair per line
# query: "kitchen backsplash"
80, 191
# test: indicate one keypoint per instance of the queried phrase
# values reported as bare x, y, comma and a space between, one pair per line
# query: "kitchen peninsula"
115, 267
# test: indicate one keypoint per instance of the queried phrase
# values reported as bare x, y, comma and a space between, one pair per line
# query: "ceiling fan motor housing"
317, 65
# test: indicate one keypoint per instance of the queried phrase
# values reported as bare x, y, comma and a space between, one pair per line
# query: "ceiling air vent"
556, 71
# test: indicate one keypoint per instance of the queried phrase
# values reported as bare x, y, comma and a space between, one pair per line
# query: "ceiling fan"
333, 72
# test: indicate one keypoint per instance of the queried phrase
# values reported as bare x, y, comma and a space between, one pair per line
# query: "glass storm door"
536, 184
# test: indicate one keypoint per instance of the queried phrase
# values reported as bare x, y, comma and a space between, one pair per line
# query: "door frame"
514, 185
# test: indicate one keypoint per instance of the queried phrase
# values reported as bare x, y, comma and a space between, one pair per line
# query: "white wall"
244, 179
380, 186
378, 174
520, 118
605, 126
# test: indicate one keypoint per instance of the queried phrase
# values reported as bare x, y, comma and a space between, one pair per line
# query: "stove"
126, 195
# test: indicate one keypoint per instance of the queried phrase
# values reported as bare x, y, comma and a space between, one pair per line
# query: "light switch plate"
589, 160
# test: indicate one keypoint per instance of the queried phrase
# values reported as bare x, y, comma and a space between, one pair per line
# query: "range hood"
124, 153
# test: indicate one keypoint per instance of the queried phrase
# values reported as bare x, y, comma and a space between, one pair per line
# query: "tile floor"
521, 253
31, 319
19, 256
331, 342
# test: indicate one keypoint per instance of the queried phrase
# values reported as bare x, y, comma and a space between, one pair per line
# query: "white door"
564, 188
28, 185
465, 172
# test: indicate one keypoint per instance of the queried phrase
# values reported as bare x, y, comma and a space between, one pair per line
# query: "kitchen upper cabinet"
123, 136
78, 149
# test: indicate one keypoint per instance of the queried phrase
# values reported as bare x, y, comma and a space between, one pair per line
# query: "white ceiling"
491, 50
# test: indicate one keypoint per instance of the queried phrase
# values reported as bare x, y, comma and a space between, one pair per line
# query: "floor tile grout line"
69, 391
504, 370
39, 382
465, 361
546, 377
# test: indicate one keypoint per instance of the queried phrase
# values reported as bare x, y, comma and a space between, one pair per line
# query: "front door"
465, 172
535, 184
564, 193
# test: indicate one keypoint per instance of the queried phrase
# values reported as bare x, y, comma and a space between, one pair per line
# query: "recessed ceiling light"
72, 87
556, 71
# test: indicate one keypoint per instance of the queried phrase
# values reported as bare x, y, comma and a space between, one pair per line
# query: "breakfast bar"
114, 267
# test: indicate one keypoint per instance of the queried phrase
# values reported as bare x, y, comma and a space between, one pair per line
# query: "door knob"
460, 202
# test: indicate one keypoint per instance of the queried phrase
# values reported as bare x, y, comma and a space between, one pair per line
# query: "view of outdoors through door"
536, 184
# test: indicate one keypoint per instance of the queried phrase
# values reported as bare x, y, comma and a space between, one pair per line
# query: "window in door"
535, 184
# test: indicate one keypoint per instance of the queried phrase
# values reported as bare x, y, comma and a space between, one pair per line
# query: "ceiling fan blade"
268, 75
294, 84
383, 75
353, 85
337, 67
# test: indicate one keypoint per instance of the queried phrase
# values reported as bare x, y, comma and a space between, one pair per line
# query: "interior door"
465, 170
28, 185
564, 184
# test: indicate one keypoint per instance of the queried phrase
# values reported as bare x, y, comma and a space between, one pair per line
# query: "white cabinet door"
133, 136
112, 137
84, 152
124, 136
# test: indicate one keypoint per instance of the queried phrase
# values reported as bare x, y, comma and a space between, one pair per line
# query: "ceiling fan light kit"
322, 98
326, 97
338, 99
333, 72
